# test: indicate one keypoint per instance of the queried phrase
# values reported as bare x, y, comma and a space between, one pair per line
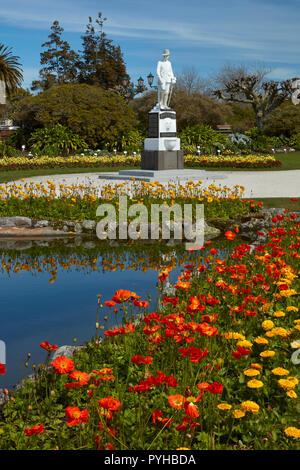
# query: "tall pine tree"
102, 62
59, 60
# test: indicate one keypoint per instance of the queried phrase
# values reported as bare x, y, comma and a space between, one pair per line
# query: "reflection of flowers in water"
97, 262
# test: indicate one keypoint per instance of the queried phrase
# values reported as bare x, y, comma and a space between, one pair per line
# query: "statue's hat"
166, 52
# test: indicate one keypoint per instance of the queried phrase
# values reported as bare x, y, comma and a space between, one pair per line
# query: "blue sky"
205, 35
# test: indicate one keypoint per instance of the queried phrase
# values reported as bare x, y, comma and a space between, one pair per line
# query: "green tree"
263, 96
101, 62
59, 60
10, 69
96, 115
285, 120
191, 109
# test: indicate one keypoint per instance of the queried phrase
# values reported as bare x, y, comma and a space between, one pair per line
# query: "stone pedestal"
162, 160
162, 147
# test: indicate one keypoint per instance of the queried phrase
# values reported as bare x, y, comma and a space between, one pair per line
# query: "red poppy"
157, 417
187, 422
82, 377
241, 352
73, 385
2, 369
163, 275
36, 429
229, 235
75, 416
122, 296
196, 354
46, 345
141, 303
170, 300
109, 403
194, 305
191, 410
182, 285
110, 303
114, 332
215, 388
63, 365
139, 359
105, 370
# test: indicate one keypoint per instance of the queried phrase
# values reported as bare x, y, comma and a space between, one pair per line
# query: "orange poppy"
49, 347
105, 370
203, 386
63, 365
81, 377
191, 410
122, 296
229, 235
176, 401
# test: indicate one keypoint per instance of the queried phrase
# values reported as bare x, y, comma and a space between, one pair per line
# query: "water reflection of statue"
166, 80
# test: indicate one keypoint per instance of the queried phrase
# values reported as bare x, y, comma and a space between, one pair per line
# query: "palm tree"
10, 69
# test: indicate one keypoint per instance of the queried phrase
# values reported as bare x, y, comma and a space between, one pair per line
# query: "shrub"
295, 141
8, 151
96, 115
56, 140
203, 135
131, 141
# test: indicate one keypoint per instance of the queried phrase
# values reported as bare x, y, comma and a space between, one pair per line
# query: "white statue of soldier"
166, 80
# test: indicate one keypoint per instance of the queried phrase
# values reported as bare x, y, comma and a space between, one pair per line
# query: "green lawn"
280, 202
12, 175
290, 161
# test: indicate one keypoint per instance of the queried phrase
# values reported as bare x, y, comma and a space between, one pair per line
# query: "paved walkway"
258, 184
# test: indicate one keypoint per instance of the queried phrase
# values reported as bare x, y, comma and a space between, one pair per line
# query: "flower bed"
235, 161
210, 369
78, 202
34, 163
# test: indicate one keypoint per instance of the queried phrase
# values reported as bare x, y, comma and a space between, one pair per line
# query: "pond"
49, 290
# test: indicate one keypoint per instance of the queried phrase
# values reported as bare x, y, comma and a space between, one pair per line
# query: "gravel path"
257, 184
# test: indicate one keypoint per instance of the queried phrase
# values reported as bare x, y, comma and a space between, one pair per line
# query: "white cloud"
282, 73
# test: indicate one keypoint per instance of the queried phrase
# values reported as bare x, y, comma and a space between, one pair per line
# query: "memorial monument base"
162, 160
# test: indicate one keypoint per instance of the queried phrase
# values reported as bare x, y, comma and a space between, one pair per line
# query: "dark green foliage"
96, 115
55, 141
283, 120
7, 150
202, 135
